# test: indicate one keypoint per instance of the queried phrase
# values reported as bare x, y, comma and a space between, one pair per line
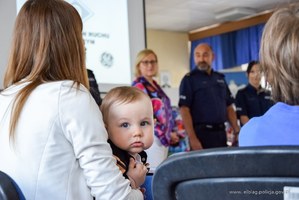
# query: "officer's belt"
211, 127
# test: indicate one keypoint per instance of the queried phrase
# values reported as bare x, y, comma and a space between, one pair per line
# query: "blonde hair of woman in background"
280, 64
146, 68
53, 142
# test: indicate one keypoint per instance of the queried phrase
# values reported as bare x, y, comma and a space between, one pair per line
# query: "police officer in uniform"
253, 100
206, 103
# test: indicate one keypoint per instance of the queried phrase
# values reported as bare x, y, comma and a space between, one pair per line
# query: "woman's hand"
174, 138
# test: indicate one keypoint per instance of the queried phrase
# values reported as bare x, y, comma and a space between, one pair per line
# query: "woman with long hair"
53, 142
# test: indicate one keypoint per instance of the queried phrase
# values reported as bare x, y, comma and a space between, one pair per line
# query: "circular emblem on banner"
106, 59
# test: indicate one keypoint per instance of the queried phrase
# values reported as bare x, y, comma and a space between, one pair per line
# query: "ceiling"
189, 15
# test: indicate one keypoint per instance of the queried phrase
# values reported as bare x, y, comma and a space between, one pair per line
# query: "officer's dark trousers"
211, 138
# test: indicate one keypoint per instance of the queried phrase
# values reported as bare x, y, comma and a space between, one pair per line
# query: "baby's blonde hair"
120, 95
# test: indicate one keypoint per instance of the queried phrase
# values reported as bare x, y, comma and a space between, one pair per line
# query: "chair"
230, 173
9, 189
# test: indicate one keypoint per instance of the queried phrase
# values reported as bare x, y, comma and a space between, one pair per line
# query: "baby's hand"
136, 173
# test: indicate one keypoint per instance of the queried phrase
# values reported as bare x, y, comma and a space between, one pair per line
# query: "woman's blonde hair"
47, 46
280, 54
140, 57
120, 95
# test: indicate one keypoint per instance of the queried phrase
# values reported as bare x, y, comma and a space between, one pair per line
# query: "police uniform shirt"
207, 96
252, 102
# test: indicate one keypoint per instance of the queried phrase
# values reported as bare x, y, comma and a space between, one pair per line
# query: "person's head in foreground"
128, 117
61, 149
47, 46
280, 64
279, 54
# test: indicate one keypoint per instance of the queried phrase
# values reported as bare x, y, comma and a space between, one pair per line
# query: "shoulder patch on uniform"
183, 97
220, 81
238, 109
188, 74
220, 74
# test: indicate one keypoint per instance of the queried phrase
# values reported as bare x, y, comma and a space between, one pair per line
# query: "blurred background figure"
93, 87
146, 68
206, 103
253, 100
183, 144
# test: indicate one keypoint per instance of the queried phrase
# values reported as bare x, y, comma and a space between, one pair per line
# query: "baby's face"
131, 126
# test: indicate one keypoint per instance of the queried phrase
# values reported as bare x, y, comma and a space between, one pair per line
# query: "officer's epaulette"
219, 73
188, 74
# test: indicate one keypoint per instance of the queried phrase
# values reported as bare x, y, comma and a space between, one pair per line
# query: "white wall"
7, 18
136, 33
172, 51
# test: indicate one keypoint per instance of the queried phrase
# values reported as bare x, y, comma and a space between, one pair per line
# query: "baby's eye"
144, 123
125, 125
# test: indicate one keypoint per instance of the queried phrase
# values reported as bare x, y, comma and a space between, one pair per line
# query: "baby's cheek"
149, 141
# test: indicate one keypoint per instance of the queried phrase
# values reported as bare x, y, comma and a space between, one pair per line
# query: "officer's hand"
236, 140
195, 144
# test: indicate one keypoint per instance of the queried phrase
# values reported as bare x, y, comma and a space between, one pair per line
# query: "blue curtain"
233, 48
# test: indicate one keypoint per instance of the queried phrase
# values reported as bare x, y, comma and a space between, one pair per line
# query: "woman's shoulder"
243, 89
240, 93
58, 84
63, 92
139, 83
249, 133
139, 79
67, 86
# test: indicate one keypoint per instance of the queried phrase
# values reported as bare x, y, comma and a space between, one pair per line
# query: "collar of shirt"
196, 70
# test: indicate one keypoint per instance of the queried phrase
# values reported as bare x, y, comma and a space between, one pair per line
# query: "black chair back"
230, 173
8, 188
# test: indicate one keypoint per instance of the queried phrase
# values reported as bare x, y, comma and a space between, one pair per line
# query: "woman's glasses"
147, 62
